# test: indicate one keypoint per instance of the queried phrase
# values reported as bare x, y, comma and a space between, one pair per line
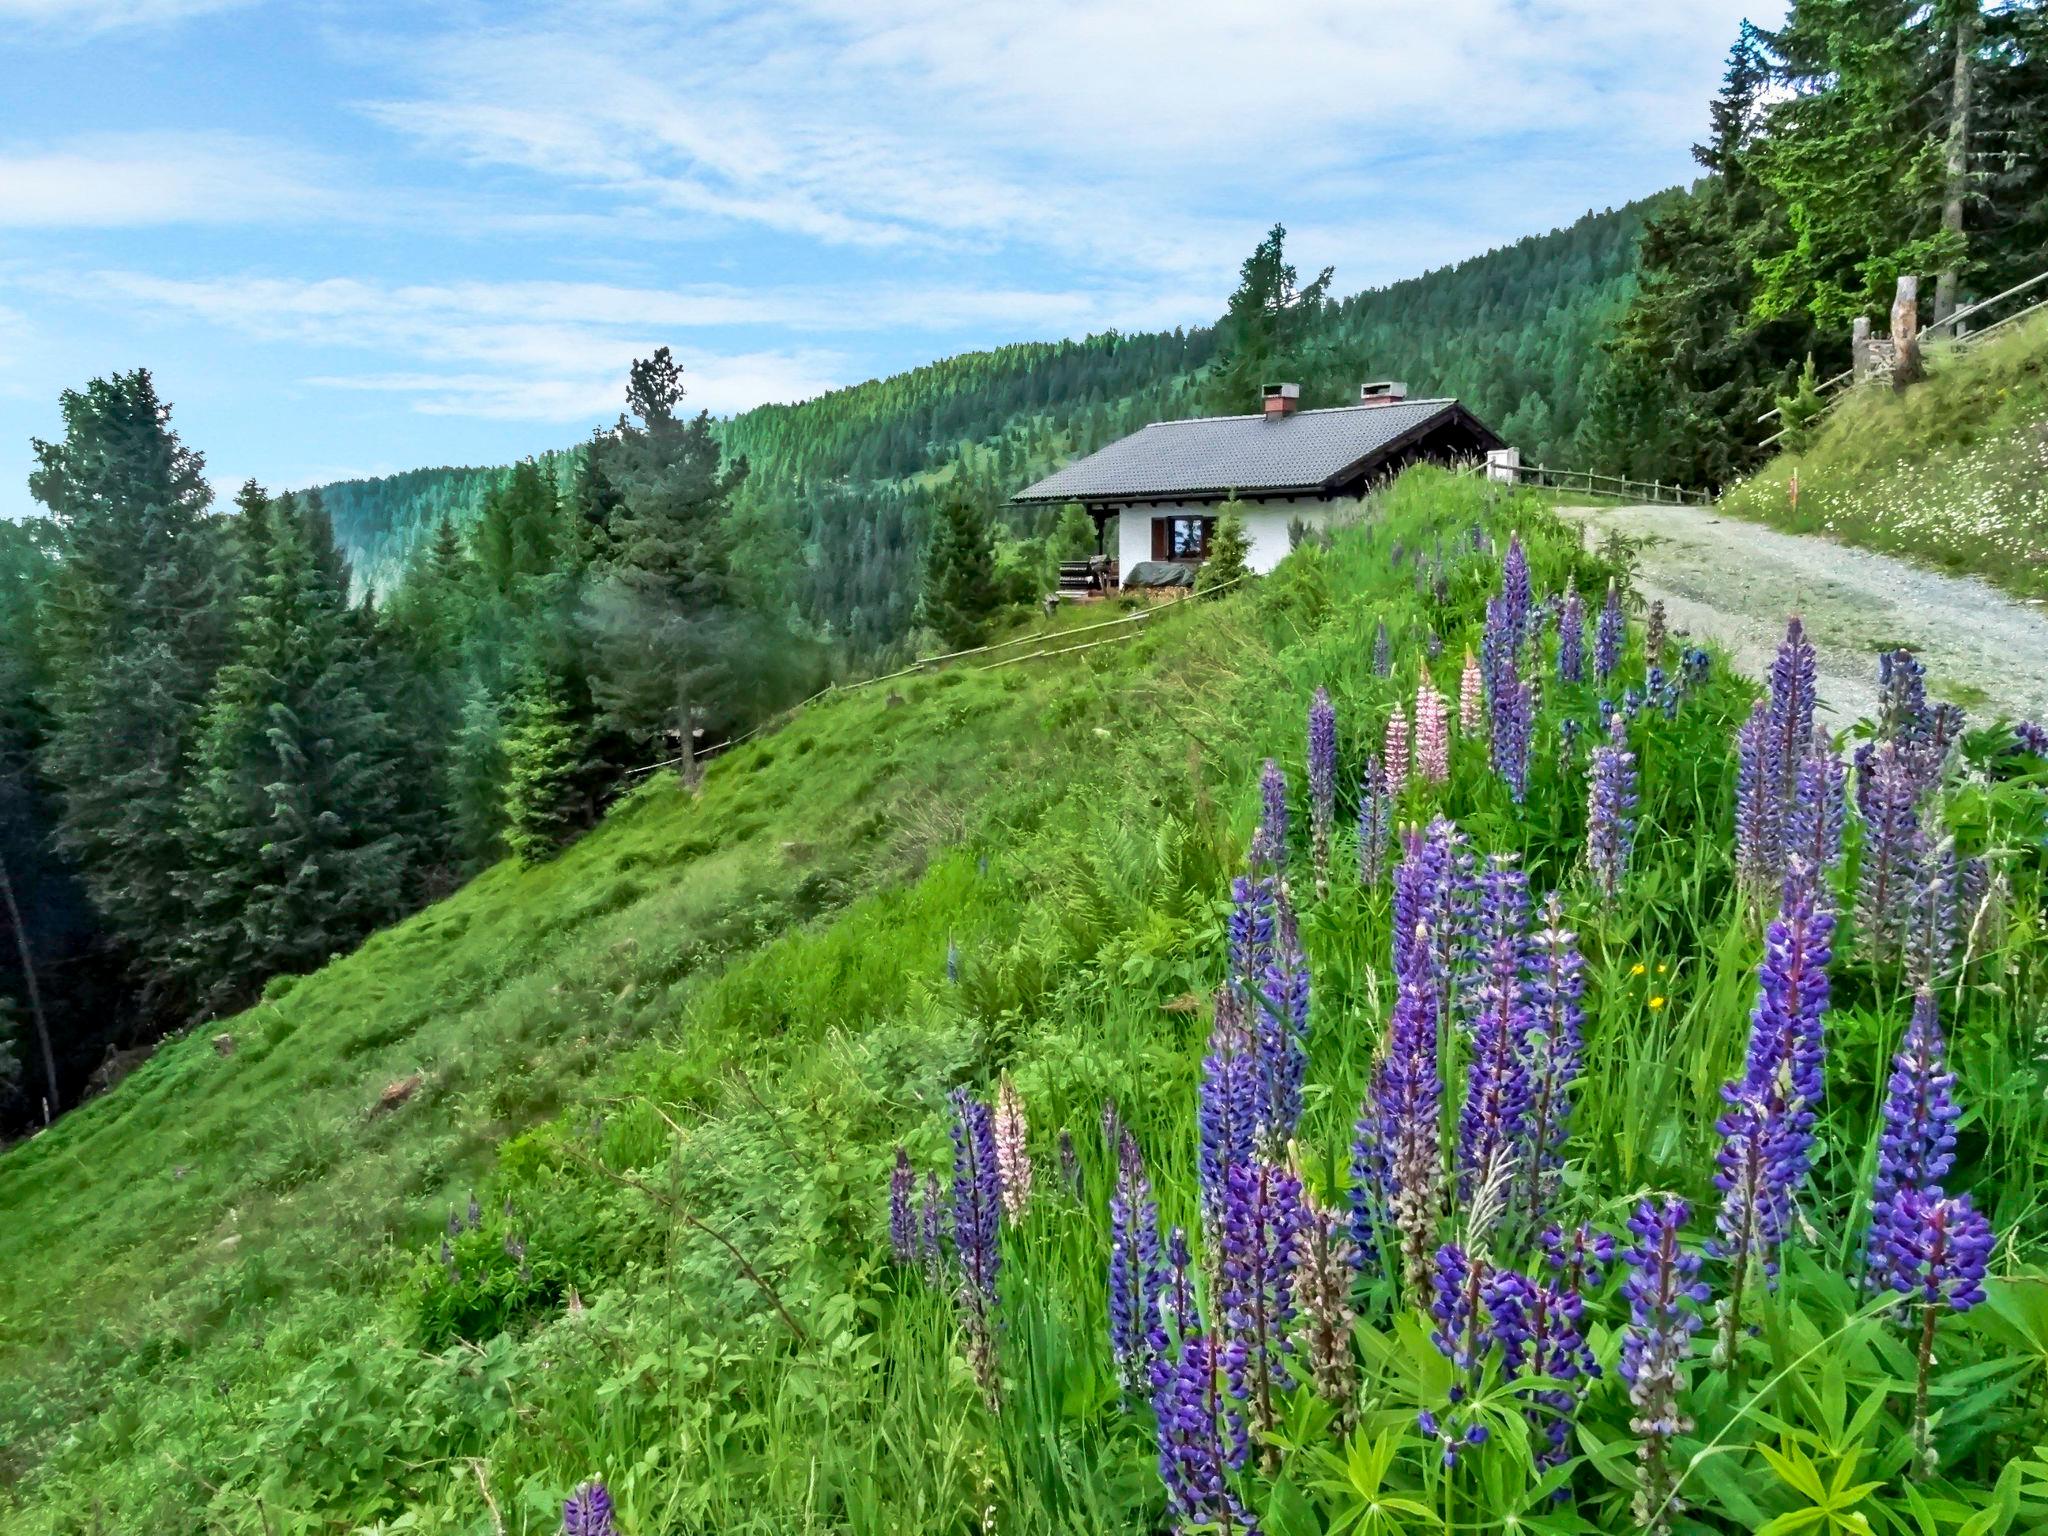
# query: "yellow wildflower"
1638, 969
1656, 1002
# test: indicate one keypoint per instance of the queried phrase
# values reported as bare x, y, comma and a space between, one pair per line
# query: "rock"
224, 1044
396, 1093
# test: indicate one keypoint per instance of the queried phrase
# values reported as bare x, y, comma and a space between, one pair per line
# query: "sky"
354, 238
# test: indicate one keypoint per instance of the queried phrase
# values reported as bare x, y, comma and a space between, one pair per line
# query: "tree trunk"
1957, 151
35, 996
1906, 333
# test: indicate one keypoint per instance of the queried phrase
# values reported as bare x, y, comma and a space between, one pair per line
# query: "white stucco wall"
1265, 523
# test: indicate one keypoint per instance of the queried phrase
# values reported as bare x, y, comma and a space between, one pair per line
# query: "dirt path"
1734, 582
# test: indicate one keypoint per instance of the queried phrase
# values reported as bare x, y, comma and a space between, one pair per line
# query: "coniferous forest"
235, 740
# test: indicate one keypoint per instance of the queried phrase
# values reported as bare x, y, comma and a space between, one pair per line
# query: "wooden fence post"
1906, 332
1859, 348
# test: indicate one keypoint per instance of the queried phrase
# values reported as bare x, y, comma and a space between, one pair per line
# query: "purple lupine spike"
1902, 712
1227, 1107
1693, 669
1201, 1438
1609, 636
1579, 1258
1322, 784
1557, 984
1471, 696
931, 1244
1322, 1291
1610, 812
1755, 1148
1889, 797
1759, 827
1370, 1177
1664, 1293
902, 1220
1457, 1292
2030, 737
1248, 932
1407, 1096
1940, 1248
1813, 830
977, 1221
1493, 1122
1269, 843
1433, 898
588, 1511
1257, 1244
1930, 916
1375, 823
1497, 951
1432, 734
1571, 639
1513, 717
1517, 596
1136, 1280
1382, 651
1916, 1148
1539, 1325
1280, 1031
1794, 683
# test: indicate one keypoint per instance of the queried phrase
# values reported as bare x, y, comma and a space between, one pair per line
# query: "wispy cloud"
82, 20
108, 181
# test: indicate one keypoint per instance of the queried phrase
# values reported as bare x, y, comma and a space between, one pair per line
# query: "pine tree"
543, 763
134, 629
1230, 549
1268, 331
960, 577
473, 791
1797, 410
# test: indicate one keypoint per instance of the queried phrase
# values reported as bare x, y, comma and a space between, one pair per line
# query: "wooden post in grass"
1859, 348
1906, 332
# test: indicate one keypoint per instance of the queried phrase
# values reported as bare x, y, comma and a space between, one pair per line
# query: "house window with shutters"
1181, 538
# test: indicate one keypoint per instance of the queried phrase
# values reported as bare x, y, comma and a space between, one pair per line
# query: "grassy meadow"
584, 1172
1952, 473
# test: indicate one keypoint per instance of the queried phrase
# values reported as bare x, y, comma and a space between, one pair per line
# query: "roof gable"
1307, 451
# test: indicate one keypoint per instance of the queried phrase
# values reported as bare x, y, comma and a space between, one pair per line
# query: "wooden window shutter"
1161, 549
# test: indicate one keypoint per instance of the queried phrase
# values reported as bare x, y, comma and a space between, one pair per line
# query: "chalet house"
1159, 488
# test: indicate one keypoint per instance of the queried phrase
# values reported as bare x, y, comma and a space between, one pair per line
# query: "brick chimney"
1282, 399
1382, 392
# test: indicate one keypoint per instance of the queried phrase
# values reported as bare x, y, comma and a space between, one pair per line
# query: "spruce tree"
1269, 331
542, 766
1229, 550
960, 576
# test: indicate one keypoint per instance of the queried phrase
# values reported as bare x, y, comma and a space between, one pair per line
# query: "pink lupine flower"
1471, 696
1013, 1159
1397, 751
1432, 734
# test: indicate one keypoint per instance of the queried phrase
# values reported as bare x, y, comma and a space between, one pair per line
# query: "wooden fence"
1585, 483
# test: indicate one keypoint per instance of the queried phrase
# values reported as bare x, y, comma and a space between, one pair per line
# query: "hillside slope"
631, 1221
1952, 472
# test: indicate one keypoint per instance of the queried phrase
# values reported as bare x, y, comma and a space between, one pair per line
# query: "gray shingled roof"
1306, 451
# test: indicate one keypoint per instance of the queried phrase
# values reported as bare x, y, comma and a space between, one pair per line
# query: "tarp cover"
1159, 573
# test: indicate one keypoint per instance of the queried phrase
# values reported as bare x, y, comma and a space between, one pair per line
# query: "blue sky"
355, 238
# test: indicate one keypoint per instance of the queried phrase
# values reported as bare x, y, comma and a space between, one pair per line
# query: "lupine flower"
1653, 631
1432, 734
1663, 1292
1493, 1121
1902, 713
1889, 797
1571, 638
1556, 984
1322, 784
1370, 1178
1496, 649
1256, 1248
1513, 716
1457, 1292
1759, 827
1609, 636
1939, 1248
1135, 1277
902, 1219
1408, 1093
1517, 596
1660, 692
1227, 1108
1916, 1148
1693, 668
1249, 932
1540, 1330
2031, 737
977, 1219
1813, 831
1471, 696
1397, 751
588, 1511
1375, 822
1794, 683
1610, 813
1280, 1031
1497, 943
1322, 1290
931, 1246
1755, 1145
1382, 652
1201, 1436
1269, 844
1930, 918
1433, 907
1013, 1153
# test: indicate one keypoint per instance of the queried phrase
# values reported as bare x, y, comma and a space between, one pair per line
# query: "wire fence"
1133, 625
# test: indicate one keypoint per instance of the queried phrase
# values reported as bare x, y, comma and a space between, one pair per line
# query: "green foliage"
1267, 329
1229, 550
746, 1358
1797, 410
960, 593
543, 761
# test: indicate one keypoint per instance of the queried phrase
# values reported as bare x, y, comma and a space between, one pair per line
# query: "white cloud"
125, 180
77, 20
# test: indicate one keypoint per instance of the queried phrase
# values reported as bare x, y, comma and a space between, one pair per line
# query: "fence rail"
1586, 483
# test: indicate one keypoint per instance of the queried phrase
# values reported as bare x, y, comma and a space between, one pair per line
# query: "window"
1181, 538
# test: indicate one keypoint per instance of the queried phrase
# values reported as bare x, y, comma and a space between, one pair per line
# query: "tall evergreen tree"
135, 629
1269, 330
543, 762
960, 576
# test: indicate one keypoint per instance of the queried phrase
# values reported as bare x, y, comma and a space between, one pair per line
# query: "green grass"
1952, 473
683, 1053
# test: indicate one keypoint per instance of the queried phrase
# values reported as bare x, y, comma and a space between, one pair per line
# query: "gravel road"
1734, 582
